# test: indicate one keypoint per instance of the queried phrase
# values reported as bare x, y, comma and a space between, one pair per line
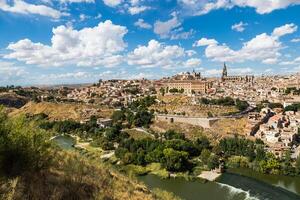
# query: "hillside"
73, 177
12, 100
32, 167
174, 104
62, 111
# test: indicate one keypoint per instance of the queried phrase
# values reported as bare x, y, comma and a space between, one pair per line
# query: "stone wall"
197, 121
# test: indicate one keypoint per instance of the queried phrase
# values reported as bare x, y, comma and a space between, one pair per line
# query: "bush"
238, 161
23, 147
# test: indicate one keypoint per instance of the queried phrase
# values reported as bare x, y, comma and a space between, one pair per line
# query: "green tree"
162, 91
205, 154
175, 160
213, 161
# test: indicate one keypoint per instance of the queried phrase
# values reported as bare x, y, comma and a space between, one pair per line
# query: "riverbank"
209, 175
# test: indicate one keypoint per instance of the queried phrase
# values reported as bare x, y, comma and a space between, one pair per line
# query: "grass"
138, 135
75, 177
153, 168
61, 111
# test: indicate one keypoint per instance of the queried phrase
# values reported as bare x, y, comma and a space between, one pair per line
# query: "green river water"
235, 184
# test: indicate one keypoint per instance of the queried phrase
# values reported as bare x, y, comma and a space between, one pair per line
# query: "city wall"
197, 121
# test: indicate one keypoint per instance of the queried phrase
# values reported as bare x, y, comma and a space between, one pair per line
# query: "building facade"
226, 78
189, 86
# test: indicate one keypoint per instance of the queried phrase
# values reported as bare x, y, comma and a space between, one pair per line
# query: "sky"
82, 41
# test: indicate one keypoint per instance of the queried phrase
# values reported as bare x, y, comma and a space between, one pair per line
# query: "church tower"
224, 73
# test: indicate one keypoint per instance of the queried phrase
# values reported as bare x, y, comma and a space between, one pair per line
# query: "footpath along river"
235, 184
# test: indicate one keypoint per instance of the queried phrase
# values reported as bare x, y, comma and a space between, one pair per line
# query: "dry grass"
138, 135
60, 111
190, 131
73, 177
228, 127
180, 104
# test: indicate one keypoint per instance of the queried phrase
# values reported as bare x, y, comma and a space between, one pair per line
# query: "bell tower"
224, 73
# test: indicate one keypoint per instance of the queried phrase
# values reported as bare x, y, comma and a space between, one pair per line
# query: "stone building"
189, 86
188, 83
226, 78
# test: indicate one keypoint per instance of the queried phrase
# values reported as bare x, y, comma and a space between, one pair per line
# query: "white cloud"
171, 29
295, 40
96, 46
163, 29
77, 1
137, 9
178, 33
263, 47
240, 27
9, 72
241, 71
83, 17
112, 3
200, 7
284, 30
213, 72
21, 7
190, 52
142, 24
234, 71
193, 62
270, 61
156, 54
295, 61
205, 42
265, 6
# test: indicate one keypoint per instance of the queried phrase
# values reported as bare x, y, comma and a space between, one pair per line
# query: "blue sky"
80, 41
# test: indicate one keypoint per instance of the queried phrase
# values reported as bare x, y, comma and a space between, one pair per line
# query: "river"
236, 184
65, 142
230, 186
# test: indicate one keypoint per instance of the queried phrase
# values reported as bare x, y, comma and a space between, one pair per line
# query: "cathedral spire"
224, 74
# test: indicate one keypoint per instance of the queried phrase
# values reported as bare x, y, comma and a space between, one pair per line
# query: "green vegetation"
227, 101
293, 90
175, 90
245, 153
23, 148
293, 107
137, 113
173, 151
31, 167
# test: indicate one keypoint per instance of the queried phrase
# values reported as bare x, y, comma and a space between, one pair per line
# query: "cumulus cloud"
239, 27
112, 3
164, 28
156, 54
284, 30
22, 7
171, 29
142, 24
96, 46
262, 47
77, 1
192, 63
11, 73
205, 42
133, 7
137, 9
295, 40
200, 7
